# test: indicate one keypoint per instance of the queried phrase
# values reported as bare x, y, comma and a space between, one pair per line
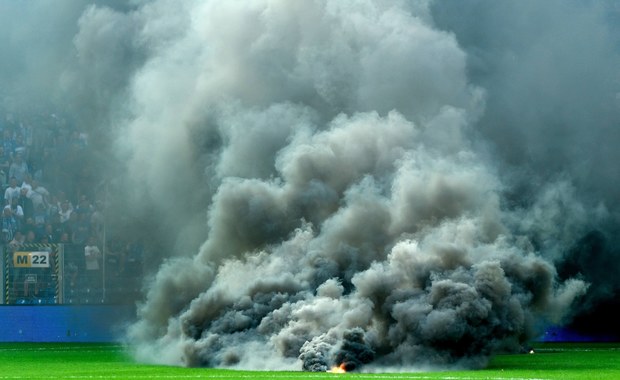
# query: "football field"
109, 361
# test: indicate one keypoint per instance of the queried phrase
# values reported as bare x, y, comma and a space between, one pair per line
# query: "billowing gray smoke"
353, 217
370, 181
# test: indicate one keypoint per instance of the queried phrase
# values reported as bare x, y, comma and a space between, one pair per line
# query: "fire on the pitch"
338, 369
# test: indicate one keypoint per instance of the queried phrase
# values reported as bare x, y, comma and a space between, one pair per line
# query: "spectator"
49, 233
18, 168
84, 206
8, 143
26, 203
18, 240
43, 165
27, 134
57, 227
39, 195
97, 220
20, 146
17, 211
64, 238
40, 218
28, 226
115, 258
54, 206
61, 198
65, 211
92, 257
80, 226
5, 163
27, 183
12, 191
9, 224
31, 238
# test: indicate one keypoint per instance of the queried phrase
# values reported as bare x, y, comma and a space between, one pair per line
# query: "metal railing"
44, 274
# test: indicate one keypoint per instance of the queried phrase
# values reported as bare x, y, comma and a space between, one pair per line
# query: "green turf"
108, 361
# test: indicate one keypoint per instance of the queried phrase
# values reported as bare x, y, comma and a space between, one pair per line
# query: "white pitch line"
272, 376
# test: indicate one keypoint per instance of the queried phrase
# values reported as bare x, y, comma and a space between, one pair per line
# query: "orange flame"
338, 369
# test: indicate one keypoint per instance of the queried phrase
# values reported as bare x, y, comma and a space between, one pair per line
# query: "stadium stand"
54, 245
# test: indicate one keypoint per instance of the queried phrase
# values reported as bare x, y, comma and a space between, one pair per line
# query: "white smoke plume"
337, 179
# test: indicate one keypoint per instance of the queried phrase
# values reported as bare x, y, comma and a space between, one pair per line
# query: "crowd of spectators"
40, 204
52, 197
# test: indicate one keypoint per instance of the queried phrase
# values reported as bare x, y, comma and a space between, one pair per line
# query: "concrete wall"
63, 323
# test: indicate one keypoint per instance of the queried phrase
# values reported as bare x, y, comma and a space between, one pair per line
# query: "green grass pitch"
109, 361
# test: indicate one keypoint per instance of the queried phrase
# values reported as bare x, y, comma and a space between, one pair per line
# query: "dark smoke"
550, 70
384, 184
354, 352
322, 352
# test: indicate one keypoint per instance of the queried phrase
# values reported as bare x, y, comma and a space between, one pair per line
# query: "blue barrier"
62, 323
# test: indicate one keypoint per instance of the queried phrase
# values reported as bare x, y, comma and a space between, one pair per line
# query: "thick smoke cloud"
374, 184
351, 216
551, 76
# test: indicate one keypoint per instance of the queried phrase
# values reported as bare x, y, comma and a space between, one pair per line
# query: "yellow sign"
31, 259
